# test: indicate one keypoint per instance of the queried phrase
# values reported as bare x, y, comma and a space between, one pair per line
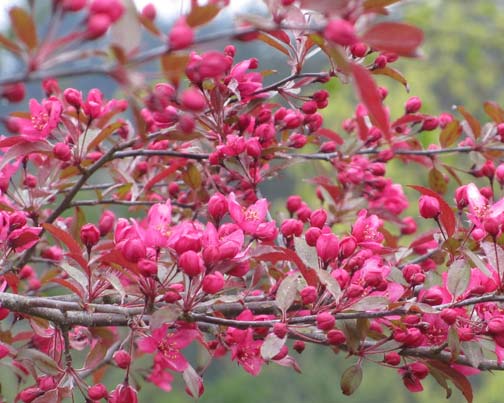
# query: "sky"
164, 11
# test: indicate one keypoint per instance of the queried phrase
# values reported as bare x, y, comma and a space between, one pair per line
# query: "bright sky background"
166, 8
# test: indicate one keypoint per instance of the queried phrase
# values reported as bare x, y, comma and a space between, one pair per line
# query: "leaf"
193, 381
103, 134
333, 51
95, 356
286, 293
351, 379
394, 74
372, 4
473, 352
459, 380
271, 346
447, 216
453, 342
271, 42
497, 262
192, 176
437, 181
173, 65
51, 396
459, 275
22, 149
76, 274
493, 110
478, 262
307, 253
450, 134
71, 244
42, 361
371, 98
67, 284
24, 27
201, 15
331, 284
370, 303
396, 37
471, 121
167, 314
163, 174
9, 45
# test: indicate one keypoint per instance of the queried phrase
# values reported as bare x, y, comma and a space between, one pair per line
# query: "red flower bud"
327, 247
308, 295
413, 105
97, 25
341, 32
293, 203
429, 207
409, 226
62, 151
280, 330
133, 250
299, 346
122, 359
491, 226
190, 263
193, 100
181, 35
90, 235
347, 246
430, 123
106, 222
309, 107
149, 11
147, 268
325, 321
392, 358
13, 92
217, 206
97, 392
449, 315
291, 227
335, 337
359, 49
73, 97
171, 297
318, 218
213, 283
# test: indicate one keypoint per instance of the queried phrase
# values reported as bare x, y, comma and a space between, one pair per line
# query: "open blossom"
45, 117
480, 207
250, 218
167, 345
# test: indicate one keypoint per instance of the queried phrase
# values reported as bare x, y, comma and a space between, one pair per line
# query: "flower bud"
190, 263
318, 218
325, 321
311, 235
181, 35
299, 346
13, 92
413, 105
359, 50
335, 337
341, 32
347, 246
149, 12
309, 107
327, 247
449, 316
62, 151
217, 206
106, 222
147, 268
73, 97
171, 296
133, 250
291, 227
308, 295
193, 100
293, 203
408, 226
97, 392
429, 207
97, 25
280, 330
491, 226
122, 359
90, 235
213, 283
392, 358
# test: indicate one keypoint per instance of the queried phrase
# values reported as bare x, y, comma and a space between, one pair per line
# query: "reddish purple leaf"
395, 37
371, 98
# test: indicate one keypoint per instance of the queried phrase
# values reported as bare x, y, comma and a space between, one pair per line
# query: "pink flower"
247, 352
45, 118
167, 347
158, 225
248, 219
479, 206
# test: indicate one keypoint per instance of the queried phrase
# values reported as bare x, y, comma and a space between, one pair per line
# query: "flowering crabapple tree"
199, 259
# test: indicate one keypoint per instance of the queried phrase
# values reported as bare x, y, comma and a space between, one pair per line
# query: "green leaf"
75, 274
351, 379
307, 253
42, 361
330, 283
478, 262
167, 314
286, 293
459, 275
271, 346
